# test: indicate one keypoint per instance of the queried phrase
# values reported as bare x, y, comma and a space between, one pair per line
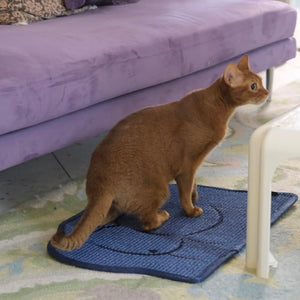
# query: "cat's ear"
232, 75
243, 63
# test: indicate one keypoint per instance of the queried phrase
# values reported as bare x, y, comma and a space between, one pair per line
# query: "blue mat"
183, 249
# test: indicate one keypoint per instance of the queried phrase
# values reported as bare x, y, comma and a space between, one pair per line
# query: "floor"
39, 176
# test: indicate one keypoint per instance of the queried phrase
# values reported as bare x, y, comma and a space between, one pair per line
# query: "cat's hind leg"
96, 213
149, 211
154, 220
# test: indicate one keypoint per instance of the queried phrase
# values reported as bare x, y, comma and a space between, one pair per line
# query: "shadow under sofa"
67, 79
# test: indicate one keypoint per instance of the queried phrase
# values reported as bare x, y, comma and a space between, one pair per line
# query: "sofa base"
22, 145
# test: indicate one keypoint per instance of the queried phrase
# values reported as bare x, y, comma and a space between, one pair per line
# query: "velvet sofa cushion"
75, 4
52, 68
27, 11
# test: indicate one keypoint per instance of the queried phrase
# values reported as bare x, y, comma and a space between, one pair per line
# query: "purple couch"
70, 78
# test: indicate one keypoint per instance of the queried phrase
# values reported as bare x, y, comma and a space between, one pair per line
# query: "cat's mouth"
261, 99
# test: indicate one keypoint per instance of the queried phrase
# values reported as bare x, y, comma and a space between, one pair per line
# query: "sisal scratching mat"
183, 248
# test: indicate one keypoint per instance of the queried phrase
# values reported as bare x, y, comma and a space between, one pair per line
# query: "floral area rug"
28, 272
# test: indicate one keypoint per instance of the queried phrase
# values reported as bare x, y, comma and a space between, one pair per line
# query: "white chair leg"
252, 203
272, 153
253, 196
270, 144
264, 216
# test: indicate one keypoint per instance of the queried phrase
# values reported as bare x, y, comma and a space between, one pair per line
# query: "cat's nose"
266, 92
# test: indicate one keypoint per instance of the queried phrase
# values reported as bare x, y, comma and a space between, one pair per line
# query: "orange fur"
131, 168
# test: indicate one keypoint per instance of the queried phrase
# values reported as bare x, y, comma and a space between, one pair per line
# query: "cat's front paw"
196, 212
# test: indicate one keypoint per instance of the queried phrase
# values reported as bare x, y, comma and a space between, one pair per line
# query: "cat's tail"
96, 213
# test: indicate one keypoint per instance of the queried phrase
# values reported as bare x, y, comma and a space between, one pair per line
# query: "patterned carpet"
27, 272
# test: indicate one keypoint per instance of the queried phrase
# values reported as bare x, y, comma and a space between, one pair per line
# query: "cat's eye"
253, 86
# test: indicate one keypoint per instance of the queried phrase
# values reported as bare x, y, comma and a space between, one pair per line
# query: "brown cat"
131, 168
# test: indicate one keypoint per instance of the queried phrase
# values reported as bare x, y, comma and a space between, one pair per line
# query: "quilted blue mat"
183, 249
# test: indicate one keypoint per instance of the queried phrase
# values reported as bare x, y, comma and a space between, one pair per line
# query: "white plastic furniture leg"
270, 144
